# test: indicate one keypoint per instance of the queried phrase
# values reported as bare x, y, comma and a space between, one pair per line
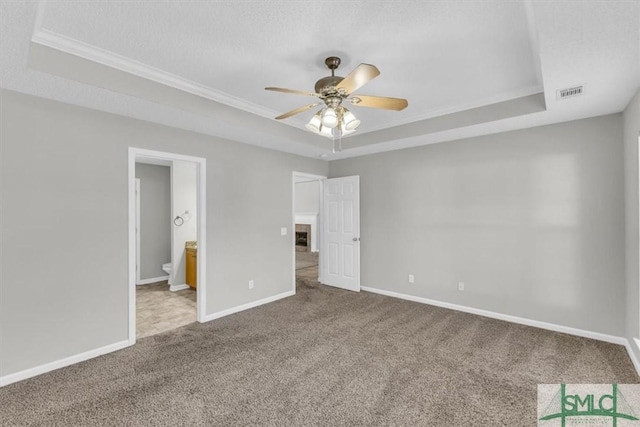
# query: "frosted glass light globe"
329, 118
314, 124
350, 121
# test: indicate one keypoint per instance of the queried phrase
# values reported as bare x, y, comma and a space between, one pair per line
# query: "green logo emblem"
563, 405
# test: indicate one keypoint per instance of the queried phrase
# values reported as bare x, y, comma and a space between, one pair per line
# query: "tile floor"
307, 267
306, 259
159, 310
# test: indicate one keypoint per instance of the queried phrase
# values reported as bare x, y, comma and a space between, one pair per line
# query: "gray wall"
155, 219
63, 270
532, 221
308, 197
631, 133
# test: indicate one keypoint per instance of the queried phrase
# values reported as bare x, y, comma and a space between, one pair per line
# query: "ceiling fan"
334, 120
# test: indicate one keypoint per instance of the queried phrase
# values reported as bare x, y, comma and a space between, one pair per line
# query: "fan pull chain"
337, 142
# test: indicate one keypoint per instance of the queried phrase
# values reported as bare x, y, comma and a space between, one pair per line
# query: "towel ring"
179, 220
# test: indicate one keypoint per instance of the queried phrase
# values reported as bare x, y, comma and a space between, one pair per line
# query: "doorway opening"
167, 245
307, 226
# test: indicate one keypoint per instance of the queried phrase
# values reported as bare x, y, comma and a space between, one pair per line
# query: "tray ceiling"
454, 61
235, 49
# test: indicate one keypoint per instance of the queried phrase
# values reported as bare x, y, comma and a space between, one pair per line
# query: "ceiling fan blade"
362, 74
384, 102
297, 92
296, 111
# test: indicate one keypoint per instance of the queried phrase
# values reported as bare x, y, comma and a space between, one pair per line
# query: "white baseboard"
514, 319
51, 366
631, 345
152, 280
71, 360
176, 288
247, 306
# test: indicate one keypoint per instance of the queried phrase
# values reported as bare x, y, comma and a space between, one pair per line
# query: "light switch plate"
283, 231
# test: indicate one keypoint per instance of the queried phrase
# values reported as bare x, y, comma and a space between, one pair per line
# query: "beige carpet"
324, 357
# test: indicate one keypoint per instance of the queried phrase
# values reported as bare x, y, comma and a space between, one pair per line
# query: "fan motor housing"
324, 84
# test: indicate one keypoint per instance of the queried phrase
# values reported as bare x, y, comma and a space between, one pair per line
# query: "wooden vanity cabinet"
192, 267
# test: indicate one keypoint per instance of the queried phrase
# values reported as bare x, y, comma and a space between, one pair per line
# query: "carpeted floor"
323, 357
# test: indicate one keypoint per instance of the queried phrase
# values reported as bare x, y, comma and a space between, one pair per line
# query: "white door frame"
149, 156
137, 230
309, 177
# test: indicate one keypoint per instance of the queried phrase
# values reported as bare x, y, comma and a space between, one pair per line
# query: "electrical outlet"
411, 278
283, 231
250, 284
461, 286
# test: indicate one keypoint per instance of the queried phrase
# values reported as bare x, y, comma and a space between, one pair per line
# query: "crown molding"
110, 59
431, 114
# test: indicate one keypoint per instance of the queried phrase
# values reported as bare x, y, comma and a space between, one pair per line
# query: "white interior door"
341, 233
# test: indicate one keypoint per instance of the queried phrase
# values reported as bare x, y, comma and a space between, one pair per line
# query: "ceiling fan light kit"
350, 121
315, 123
335, 121
325, 131
329, 118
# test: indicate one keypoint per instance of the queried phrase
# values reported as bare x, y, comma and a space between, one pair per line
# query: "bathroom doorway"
166, 240
307, 204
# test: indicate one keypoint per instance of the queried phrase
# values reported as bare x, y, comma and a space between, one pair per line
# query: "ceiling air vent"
570, 92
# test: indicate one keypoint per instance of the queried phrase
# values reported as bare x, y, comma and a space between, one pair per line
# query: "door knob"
355, 239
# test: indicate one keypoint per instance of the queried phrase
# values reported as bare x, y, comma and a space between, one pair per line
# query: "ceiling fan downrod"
326, 85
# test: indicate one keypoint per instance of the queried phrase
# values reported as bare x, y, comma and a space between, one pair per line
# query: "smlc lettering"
573, 403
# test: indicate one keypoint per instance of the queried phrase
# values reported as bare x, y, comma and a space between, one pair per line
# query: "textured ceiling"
466, 67
239, 48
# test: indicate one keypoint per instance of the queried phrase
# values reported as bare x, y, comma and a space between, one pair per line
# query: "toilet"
167, 268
